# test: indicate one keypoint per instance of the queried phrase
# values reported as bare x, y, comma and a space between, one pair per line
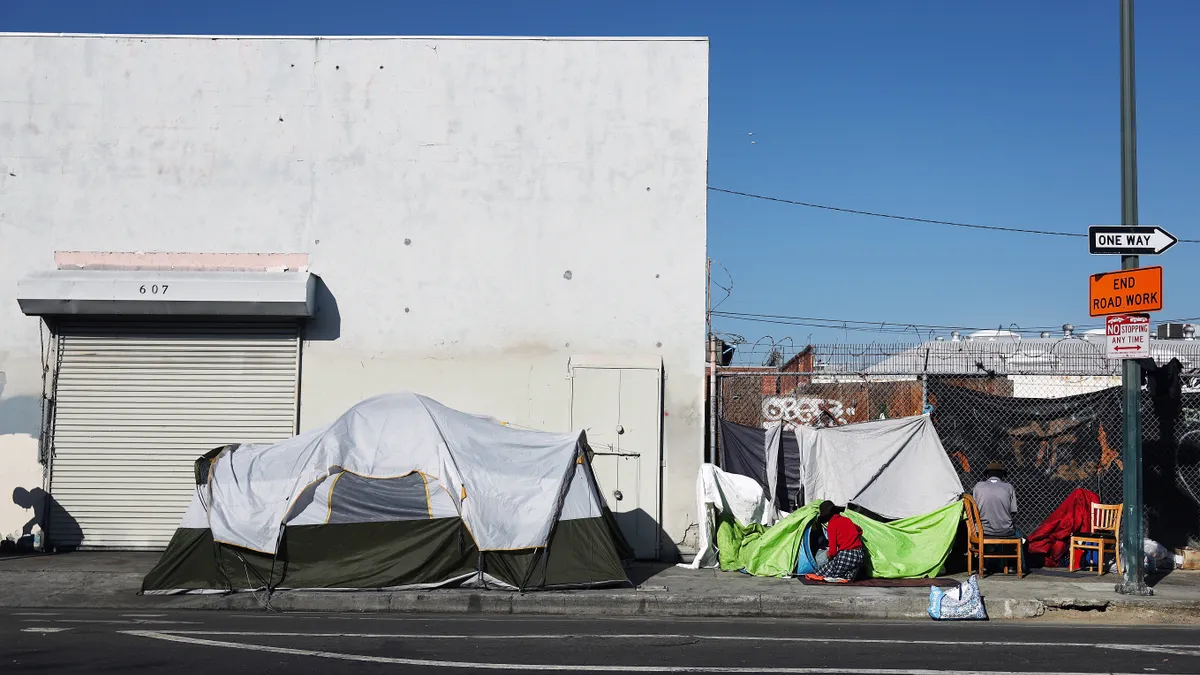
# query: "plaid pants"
844, 565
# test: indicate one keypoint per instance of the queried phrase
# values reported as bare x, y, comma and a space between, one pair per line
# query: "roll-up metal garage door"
137, 402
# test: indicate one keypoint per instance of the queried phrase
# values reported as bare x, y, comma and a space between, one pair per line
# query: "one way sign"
1119, 240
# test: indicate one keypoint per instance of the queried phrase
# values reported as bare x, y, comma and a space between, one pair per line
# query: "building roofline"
807, 351
534, 38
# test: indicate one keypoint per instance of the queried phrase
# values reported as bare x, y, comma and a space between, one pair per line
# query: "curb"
501, 603
92, 590
119, 591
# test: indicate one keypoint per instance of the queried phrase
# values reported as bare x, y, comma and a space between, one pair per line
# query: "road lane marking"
37, 613
121, 622
1179, 649
44, 629
469, 665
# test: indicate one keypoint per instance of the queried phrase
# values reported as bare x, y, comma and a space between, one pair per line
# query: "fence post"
925, 383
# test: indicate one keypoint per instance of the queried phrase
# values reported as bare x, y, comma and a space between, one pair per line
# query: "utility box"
1170, 331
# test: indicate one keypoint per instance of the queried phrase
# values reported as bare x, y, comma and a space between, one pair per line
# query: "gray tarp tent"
399, 492
745, 452
894, 468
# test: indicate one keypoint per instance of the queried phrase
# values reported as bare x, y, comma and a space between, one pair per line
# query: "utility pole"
712, 370
1134, 582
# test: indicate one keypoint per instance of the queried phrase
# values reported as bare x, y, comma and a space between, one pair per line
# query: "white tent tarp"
896, 468
719, 492
513, 480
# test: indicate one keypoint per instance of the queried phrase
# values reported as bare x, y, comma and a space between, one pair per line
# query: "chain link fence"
1049, 410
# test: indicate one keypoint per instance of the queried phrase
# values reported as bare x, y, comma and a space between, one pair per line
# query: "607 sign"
153, 289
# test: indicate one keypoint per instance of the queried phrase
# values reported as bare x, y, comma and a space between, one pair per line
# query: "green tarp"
912, 547
909, 548
763, 552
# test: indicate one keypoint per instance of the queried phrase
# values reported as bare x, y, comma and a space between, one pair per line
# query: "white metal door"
621, 411
137, 403
595, 408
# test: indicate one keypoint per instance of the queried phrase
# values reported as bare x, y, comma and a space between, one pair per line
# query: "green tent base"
389, 555
910, 548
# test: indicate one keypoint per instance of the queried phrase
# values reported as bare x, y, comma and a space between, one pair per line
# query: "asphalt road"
172, 642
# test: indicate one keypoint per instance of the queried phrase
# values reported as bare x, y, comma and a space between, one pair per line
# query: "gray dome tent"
399, 492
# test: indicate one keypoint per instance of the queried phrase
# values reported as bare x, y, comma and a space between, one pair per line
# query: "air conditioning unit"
1171, 331
724, 352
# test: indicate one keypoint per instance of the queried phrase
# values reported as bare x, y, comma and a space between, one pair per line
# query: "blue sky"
999, 113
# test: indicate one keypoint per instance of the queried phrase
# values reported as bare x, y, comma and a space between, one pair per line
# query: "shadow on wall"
326, 325
19, 414
67, 533
639, 526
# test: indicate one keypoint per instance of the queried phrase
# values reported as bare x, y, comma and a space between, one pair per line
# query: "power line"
912, 219
855, 324
879, 327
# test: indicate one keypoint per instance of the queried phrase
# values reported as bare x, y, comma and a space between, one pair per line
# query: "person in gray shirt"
997, 500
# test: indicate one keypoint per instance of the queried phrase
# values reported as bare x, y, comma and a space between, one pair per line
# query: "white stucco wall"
442, 187
1061, 386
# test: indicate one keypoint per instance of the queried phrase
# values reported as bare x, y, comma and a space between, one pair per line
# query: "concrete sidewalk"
112, 581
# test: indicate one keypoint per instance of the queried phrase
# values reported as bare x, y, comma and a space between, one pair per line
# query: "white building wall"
1060, 386
479, 209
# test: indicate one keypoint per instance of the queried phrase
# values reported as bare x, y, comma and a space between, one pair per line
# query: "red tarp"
1052, 538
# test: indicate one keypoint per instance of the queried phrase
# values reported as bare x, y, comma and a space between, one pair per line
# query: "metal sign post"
1134, 582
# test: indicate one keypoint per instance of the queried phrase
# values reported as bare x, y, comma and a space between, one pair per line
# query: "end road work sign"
1121, 240
1125, 291
1127, 336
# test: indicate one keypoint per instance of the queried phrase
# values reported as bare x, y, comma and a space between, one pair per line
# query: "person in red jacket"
846, 553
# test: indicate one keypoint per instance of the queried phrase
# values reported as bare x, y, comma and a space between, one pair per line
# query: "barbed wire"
901, 328
1063, 355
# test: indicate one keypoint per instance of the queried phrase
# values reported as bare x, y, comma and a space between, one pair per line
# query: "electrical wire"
911, 219
728, 289
866, 327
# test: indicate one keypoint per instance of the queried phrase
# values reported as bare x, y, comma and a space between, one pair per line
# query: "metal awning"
167, 292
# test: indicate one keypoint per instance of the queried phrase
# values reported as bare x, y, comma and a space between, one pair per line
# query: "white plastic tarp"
896, 468
740, 496
514, 479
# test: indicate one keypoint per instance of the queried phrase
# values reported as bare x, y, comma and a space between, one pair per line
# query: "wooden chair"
1106, 532
976, 541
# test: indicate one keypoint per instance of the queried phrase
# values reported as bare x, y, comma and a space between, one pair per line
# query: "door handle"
617, 495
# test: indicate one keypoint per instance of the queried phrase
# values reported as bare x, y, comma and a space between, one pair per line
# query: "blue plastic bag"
962, 603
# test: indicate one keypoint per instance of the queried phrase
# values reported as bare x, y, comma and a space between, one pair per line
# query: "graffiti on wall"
1068, 439
1049, 445
796, 411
